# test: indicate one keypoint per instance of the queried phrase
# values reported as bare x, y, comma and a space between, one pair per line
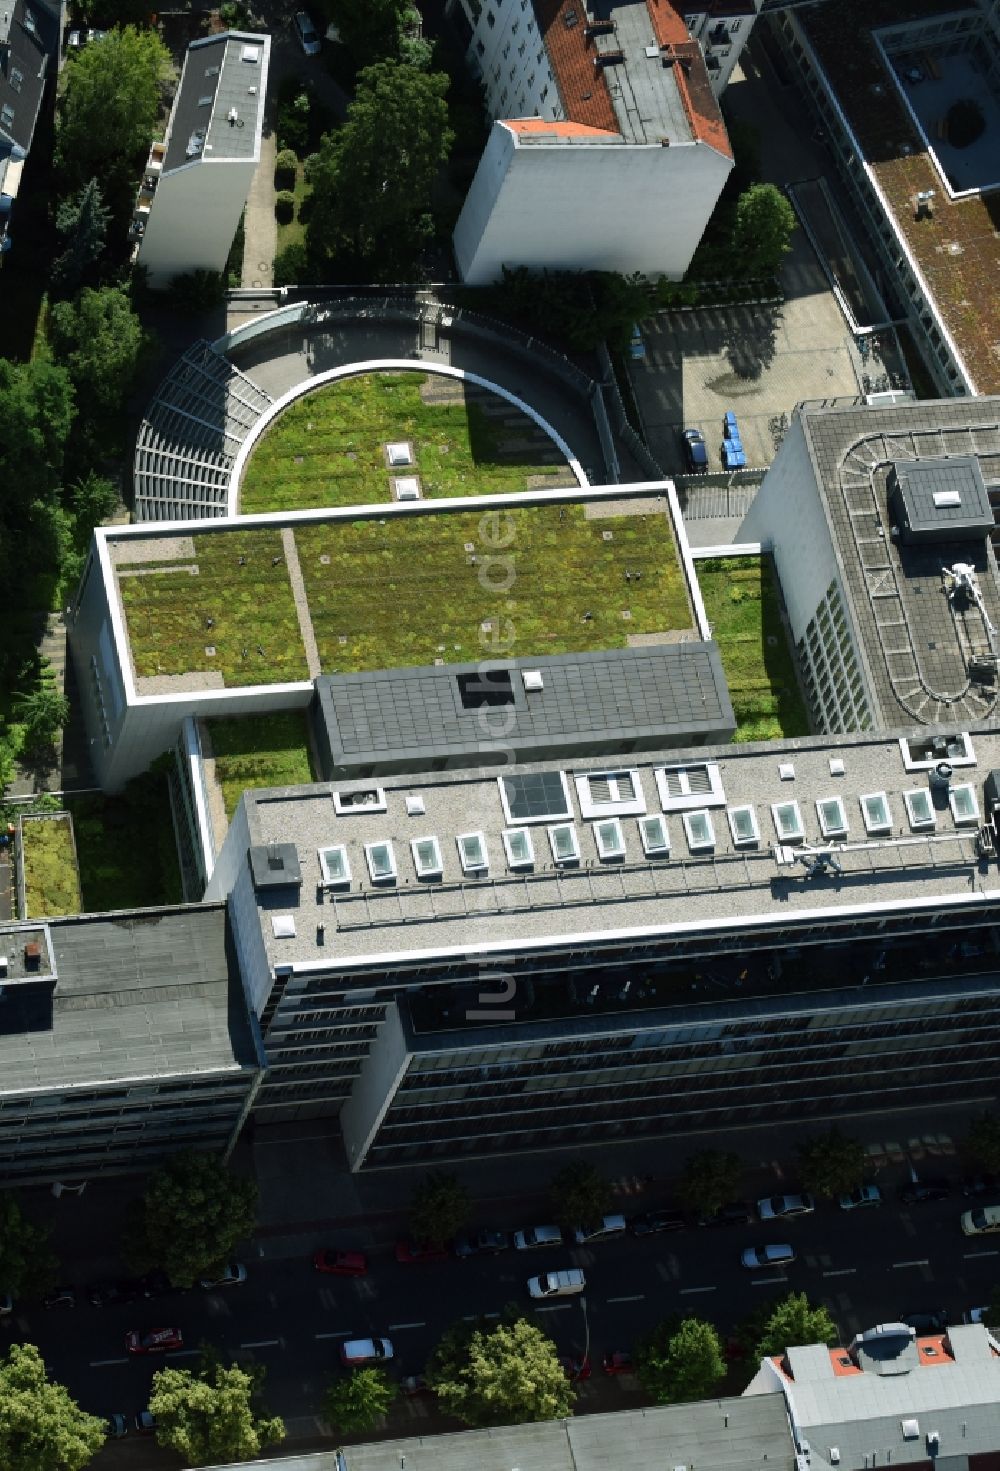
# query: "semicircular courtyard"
403, 434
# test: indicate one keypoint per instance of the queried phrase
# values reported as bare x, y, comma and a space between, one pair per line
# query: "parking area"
756, 361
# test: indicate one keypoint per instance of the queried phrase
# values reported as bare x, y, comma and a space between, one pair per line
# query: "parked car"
158, 1284
533, 1236
481, 1243
157, 1341
420, 1251
981, 1184
929, 1322
602, 1230
695, 450
918, 1192
576, 1370
340, 1263
557, 1284
653, 1222
617, 1363
144, 1422
736, 1213
234, 1274
767, 1256
6, 1305
981, 1220
978, 1315
307, 33
636, 346
778, 1207
859, 1199
110, 1294
117, 1426
355, 1351
62, 1297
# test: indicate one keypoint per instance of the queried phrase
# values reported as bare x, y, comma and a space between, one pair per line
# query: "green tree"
831, 1163
110, 105
982, 1142
709, 1179
98, 338
357, 1403
28, 1265
681, 1360
440, 1207
208, 1417
792, 1322
36, 410
93, 499
192, 1215
370, 202
194, 292
580, 1194
44, 712
500, 1374
82, 221
372, 30
763, 223
41, 1427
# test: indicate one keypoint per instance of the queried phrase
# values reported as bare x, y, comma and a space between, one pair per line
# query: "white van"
557, 1284
603, 1230
983, 1219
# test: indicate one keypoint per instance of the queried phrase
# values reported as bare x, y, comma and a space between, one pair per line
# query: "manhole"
342, 638
626, 613
210, 650
608, 535
324, 560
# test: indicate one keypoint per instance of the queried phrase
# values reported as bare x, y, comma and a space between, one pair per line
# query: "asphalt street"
868, 1266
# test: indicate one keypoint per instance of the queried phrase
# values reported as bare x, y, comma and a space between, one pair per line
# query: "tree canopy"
982, 1142
36, 410
500, 1374
831, 1163
440, 1207
369, 202
709, 1179
110, 105
681, 1360
792, 1322
82, 221
580, 1194
763, 224
372, 30
357, 1403
98, 338
208, 1417
191, 1217
41, 1427
28, 1265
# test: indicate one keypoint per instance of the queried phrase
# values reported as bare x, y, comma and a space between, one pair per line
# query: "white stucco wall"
374, 1089
586, 206
193, 217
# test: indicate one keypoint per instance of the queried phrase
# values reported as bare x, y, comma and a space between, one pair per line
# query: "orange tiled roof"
582, 88
693, 86
560, 129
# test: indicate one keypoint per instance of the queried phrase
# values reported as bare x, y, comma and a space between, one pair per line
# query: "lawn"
741, 600
419, 589
240, 603
259, 751
51, 880
327, 449
126, 847
294, 232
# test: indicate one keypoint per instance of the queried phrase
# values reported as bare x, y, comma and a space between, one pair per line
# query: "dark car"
484, 1243
695, 450
63, 1297
109, 1294
736, 1213
982, 1184
408, 1250
920, 1191
576, 1370
340, 1263
158, 1341
652, 1222
617, 1363
927, 1322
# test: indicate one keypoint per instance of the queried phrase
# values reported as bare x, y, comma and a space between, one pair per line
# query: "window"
485, 688
744, 826
609, 839
427, 857
518, 845
832, 817
876, 813
538, 796
381, 862
618, 792
699, 830
472, 852
563, 842
654, 836
787, 821
16, 78
919, 808
690, 786
334, 866
370, 799
491, 19
963, 804
7, 115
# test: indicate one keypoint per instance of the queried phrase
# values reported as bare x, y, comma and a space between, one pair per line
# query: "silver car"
767, 1256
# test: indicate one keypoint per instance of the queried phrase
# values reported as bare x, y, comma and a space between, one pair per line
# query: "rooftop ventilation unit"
910, 1429
250, 54
195, 143
533, 680
609, 58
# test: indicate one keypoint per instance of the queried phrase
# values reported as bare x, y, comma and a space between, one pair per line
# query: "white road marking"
697, 1289
969, 1255
341, 1333
922, 1263
636, 1297
262, 1343
100, 1363
398, 1327
555, 1307
767, 1281
841, 1272
183, 1353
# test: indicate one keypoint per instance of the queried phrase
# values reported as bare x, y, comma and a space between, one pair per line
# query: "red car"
576, 1370
159, 1341
341, 1263
617, 1363
420, 1251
